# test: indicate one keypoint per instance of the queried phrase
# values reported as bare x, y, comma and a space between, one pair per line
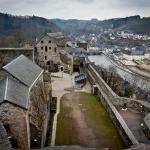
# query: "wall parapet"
110, 98
114, 114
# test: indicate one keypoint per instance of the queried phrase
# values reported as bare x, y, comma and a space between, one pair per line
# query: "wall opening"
12, 140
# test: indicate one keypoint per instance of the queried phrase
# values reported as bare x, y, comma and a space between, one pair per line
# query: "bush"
129, 91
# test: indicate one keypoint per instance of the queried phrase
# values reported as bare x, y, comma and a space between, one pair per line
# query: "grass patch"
99, 119
65, 127
96, 117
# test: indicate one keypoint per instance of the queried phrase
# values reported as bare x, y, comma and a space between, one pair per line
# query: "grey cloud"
82, 9
138, 3
85, 1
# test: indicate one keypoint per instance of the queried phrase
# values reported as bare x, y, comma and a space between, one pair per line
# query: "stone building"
82, 44
78, 55
23, 104
48, 49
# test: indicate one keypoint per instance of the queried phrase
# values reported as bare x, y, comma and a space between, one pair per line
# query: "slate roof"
80, 77
16, 86
24, 70
77, 51
13, 91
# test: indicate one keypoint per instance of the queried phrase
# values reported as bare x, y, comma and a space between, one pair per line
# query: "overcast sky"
80, 9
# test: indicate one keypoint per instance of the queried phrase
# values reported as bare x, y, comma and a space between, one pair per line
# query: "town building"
48, 49
77, 51
23, 104
93, 47
136, 54
78, 57
82, 44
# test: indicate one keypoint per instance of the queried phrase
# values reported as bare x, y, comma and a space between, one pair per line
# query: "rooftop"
141, 146
77, 51
15, 87
14, 92
24, 70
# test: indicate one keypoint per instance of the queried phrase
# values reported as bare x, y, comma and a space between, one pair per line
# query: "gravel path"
58, 85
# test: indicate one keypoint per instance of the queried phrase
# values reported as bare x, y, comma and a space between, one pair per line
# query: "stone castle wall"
16, 118
126, 134
39, 113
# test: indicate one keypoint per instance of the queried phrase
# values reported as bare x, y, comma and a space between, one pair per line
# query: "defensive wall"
110, 100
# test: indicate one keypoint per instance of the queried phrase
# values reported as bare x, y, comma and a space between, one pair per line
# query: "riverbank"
128, 69
140, 72
134, 79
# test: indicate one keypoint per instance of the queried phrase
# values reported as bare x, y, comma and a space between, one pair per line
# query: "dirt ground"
75, 128
84, 131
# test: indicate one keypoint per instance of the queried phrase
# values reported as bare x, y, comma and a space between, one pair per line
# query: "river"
104, 61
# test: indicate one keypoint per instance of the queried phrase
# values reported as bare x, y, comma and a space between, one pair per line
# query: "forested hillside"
136, 24
15, 31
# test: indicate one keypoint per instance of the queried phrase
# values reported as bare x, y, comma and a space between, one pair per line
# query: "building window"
50, 42
48, 63
7, 128
49, 47
55, 49
45, 48
42, 48
42, 42
35, 48
45, 57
